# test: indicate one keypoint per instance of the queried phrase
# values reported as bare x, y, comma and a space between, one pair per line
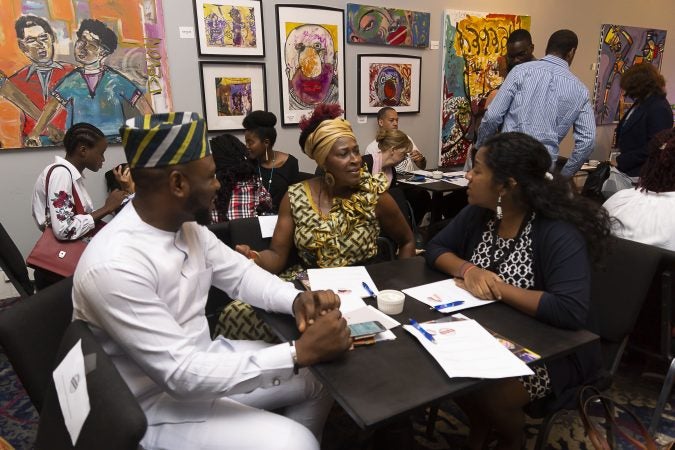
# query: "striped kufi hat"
159, 140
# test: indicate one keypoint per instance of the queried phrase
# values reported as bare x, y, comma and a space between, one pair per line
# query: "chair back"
115, 420
30, 332
222, 231
247, 231
619, 287
12, 263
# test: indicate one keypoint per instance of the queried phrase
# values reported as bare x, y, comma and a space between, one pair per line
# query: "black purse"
593, 185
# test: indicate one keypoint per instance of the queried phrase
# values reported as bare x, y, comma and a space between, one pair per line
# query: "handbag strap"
79, 209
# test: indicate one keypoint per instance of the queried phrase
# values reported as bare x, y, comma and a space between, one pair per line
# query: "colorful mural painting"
311, 60
234, 96
621, 47
229, 26
69, 61
387, 26
473, 44
389, 85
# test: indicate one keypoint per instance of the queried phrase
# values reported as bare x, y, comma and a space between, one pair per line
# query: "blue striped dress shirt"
544, 99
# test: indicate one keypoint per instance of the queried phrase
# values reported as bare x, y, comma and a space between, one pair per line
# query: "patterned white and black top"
511, 259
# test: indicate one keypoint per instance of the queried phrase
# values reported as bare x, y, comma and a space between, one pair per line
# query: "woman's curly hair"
321, 112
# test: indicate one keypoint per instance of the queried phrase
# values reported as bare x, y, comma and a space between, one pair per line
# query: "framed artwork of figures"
229, 27
230, 91
311, 59
389, 80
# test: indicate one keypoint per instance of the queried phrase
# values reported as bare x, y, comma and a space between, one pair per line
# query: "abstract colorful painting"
387, 26
230, 91
389, 80
69, 61
621, 47
311, 59
473, 43
229, 27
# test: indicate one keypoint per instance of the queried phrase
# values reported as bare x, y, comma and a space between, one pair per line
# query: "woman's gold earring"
329, 179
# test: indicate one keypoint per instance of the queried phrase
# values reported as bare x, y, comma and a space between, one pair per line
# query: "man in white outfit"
142, 285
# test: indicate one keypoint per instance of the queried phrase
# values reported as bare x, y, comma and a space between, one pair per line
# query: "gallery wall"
21, 167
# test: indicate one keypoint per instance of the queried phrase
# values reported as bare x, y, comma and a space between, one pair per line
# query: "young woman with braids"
85, 146
332, 220
647, 213
275, 170
524, 239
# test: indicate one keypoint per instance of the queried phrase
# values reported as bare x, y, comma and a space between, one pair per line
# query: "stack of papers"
347, 282
442, 292
465, 349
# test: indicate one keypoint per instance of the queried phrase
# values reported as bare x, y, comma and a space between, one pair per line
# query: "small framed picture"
311, 47
230, 91
389, 80
229, 27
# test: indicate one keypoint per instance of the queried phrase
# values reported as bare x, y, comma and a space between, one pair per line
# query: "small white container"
437, 175
390, 301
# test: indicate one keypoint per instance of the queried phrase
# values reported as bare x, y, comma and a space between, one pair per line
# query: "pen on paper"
447, 305
368, 289
419, 328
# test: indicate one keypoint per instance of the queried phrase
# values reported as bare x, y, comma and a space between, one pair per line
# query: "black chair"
618, 289
30, 332
217, 299
222, 231
12, 263
115, 420
247, 231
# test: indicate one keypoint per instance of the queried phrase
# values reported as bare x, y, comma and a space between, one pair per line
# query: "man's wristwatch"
294, 355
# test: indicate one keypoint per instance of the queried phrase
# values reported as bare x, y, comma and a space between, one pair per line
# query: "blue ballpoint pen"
447, 305
419, 328
368, 289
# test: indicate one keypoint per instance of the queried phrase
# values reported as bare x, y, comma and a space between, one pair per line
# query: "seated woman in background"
65, 205
276, 170
241, 194
523, 239
650, 114
647, 213
333, 220
394, 146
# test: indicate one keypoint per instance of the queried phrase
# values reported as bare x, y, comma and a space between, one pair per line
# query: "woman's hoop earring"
329, 179
500, 213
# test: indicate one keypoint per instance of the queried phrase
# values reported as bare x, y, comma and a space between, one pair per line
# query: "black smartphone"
366, 329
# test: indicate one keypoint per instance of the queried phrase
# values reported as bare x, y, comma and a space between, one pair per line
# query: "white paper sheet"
71, 388
459, 181
342, 280
465, 349
267, 225
442, 292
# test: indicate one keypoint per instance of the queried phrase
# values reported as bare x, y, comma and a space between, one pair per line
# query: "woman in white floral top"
71, 211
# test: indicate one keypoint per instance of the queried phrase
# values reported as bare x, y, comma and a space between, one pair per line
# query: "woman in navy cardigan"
650, 114
525, 239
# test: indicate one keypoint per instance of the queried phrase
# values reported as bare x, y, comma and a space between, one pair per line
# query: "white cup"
390, 301
437, 175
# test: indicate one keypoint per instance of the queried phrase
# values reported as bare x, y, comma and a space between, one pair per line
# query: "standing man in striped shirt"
544, 99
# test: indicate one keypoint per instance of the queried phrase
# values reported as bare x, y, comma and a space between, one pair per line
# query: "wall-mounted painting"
387, 26
311, 59
230, 91
389, 80
65, 61
621, 47
229, 27
473, 45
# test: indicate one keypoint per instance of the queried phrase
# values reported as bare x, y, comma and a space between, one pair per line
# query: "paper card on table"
457, 181
456, 174
342, 280
425, 173
425, 180
71, 388
350, 302
442, 292
267, 225
465, 349
367, 314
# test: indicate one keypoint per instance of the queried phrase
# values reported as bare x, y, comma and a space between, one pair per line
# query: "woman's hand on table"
481, 283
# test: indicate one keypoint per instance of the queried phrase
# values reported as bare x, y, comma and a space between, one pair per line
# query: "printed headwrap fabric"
160, 140
321, 140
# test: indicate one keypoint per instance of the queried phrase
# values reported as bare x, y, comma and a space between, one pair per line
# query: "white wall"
19, 168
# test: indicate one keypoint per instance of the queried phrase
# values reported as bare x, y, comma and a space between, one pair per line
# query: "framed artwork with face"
230, 91
229, 27
389, 80
311, 59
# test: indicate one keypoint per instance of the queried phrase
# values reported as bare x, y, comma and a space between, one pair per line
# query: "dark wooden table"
380, 382
438, 190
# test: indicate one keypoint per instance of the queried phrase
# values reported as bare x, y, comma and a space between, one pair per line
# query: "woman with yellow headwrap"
333, 220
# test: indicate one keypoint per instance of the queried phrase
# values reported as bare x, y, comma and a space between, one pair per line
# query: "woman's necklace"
269, 182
